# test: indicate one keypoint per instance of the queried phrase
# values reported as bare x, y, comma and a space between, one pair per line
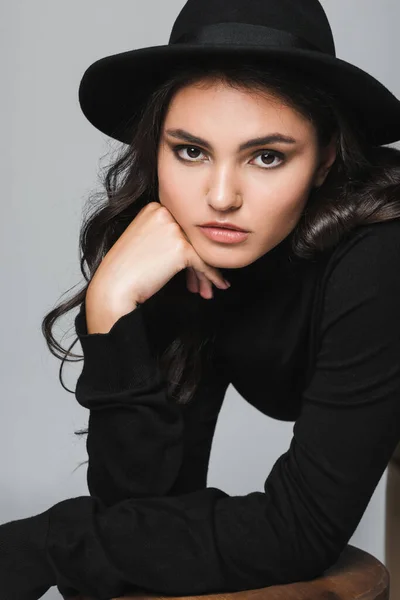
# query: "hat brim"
114, 88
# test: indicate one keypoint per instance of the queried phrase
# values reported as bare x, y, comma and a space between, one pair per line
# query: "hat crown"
305, 19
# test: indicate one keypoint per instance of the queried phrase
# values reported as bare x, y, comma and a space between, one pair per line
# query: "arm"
316, 493
139, 444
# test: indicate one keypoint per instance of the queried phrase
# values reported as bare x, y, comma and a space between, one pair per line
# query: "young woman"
245, 120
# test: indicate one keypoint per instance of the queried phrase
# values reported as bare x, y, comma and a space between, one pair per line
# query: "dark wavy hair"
362, 187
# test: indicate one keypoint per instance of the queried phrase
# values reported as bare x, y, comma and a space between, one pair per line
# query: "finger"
205, 285
206, 274
202, 270
198, 284
192, 282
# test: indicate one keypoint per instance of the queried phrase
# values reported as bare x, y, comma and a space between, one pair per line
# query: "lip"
223, 235
223, 225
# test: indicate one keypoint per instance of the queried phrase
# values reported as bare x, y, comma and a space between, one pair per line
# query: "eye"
272, 154
191, 150
196, 151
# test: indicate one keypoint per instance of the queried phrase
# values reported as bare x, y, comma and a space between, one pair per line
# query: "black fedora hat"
114, 89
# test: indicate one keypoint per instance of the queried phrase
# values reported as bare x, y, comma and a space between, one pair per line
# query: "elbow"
312, 563
308, 559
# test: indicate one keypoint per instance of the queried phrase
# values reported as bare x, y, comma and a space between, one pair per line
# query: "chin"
225, 257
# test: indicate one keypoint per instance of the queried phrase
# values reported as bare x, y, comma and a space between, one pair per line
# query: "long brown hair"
362, 187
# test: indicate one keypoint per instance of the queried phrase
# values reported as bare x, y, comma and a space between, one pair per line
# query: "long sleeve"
139, 444
135, 435
316, 493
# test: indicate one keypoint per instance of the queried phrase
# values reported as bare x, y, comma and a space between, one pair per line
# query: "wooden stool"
357, 574
392, 524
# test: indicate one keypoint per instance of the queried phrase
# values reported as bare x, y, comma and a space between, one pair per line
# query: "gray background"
50, 158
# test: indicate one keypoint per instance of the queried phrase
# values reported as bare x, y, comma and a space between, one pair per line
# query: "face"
209, 176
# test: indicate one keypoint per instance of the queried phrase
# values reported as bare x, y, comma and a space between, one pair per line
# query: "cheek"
281, 195
294, 190
166, 181
169, 191
172, 192
290, 186
174, 183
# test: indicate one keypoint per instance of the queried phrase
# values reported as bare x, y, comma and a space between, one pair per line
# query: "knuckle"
183, 252
152, 205
181, 245
163, 214
176, 228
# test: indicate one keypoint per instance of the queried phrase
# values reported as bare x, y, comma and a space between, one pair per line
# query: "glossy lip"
223, 225
224, 236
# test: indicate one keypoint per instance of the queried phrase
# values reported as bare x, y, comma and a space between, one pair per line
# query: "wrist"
103, 310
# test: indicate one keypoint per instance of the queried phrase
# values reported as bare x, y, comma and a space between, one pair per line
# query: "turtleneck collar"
259, 270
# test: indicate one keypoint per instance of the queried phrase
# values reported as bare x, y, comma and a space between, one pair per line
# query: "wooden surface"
392, 524
357, 574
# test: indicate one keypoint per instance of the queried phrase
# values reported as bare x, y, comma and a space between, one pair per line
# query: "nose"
224, 191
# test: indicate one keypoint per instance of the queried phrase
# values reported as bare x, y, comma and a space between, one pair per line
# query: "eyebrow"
272, 138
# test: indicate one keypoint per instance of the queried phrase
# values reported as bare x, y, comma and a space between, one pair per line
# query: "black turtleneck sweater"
316, 342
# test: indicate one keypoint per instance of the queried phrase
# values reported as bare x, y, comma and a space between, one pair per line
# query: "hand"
151, 250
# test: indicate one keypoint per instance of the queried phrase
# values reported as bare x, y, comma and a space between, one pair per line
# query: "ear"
328, 157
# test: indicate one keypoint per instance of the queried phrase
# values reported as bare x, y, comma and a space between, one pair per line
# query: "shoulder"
370, 253
374, 240
360, 280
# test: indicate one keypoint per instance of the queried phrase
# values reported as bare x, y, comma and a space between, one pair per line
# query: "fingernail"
227, 283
